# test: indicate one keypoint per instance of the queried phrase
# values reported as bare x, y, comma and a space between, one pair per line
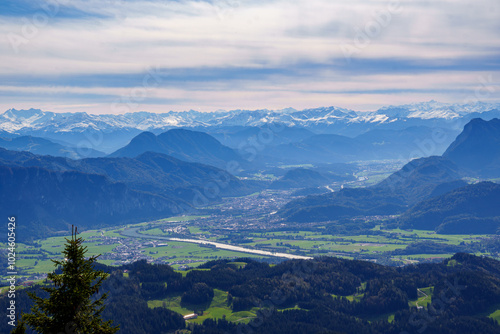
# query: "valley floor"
224, 231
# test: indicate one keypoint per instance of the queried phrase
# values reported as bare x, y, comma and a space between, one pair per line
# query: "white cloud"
132, 36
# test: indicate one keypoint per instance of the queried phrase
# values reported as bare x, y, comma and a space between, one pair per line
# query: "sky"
117, 56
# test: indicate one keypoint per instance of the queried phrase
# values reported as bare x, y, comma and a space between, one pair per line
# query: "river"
132, 232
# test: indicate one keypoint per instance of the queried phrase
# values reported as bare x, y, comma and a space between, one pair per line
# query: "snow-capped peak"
35, 119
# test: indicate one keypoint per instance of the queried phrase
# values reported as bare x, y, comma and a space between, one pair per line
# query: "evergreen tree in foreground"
70, 307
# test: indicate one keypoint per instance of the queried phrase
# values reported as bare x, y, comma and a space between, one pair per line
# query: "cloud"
231, 48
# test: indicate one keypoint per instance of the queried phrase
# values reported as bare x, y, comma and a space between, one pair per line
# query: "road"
419, 307
132, 232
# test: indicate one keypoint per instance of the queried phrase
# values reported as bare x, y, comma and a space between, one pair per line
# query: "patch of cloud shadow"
364, 66
53, 95
200, 76
114, 101
333, 28
386, 91
163, 77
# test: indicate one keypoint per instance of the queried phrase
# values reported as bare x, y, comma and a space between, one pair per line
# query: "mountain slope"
476, 151
47, 201
192, 146
470, 209
421, 178
379, 144
477, 148
152, 172
269, 135
416, 181
43, 146
324, 148
300, 178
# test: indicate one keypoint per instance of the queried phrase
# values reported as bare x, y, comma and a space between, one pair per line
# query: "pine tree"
72, 306
19, 329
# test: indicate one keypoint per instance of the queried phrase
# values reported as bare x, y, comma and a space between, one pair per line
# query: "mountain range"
152, 172
48, 201
377, 144
50, 192
432, 185
46, 147
108, 133
176, 166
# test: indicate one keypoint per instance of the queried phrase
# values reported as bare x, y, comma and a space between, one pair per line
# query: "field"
114, 248
215, 310
118, 246
424, 297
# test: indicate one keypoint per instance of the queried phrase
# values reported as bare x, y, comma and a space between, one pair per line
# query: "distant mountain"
310, 191
324, 148
107, 133
269, 135
343, 204
418, 180
477, 148
46, 201
143, 142
151, 172
476, 151
46, 147
435, 110
421, 178
408, 143
380, 144
104, 133
300, 178
472, 209
187, 145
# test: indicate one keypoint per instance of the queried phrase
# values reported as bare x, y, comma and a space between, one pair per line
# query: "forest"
324, 295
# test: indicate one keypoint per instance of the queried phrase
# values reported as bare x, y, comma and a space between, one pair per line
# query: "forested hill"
46, 201
418, 180
470, 209
50, 193
186, 145
325, 295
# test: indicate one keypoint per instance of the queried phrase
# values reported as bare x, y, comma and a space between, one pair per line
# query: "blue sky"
112, 56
